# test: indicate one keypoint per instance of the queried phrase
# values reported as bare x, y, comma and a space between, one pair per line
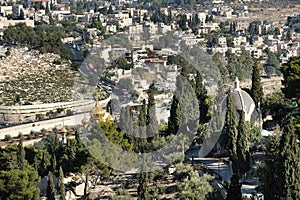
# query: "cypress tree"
270, 174
61, 186
234, 191
142, 115
290, 163
142, 128
110, 10
174, 121
50, 188
187, 99
291, 77
47, 9
256, 89
151, 120
203, 99
53, 164
229, 132
126, 123
243, 155
77, 136
143, 191
228, 138
21, 155
35, 163
280, 179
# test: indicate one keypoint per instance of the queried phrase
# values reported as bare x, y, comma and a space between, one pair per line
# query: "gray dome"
241, 101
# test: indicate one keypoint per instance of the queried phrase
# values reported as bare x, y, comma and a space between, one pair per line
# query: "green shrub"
8, 138
36, 135
20, 136
29, 137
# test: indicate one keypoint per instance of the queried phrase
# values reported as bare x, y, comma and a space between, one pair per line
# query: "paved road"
218, 167
47, 124
37, 126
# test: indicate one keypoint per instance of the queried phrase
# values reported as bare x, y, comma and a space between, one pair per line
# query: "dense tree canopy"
291, 76
281, 168
191, 184
45, 39
19, 184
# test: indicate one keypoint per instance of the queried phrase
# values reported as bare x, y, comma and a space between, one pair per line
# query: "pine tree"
50, 188
234, 191
21, 155
61, 186
151, 120
256, 89
174, 121
243, 155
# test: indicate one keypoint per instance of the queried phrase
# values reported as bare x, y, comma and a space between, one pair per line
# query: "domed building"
242, 101
98, 114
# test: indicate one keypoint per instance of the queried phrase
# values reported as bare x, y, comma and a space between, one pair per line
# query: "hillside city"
143, 100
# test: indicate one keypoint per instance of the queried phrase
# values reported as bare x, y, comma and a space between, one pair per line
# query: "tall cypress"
151, 120
188, 100
203, 99
229, 132
142, 128
243, 155
234, 191
47, 9
50, 188
53, 164
228, 138
270, 175
174, 121
61, 186
280, 179
143, 113
256, 89
290, 163
143, 189
21, 154
126, 123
